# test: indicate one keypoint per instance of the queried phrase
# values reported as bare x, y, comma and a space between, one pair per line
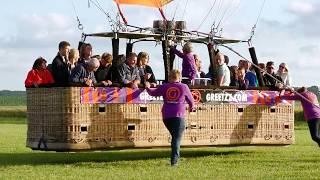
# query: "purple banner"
107, 95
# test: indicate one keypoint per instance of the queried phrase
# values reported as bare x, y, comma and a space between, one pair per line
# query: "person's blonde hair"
187, 47
220, 56
142, 55
285, 66
174, 75
107, 57
74, 53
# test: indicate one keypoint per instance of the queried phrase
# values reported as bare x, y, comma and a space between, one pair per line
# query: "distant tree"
315, 90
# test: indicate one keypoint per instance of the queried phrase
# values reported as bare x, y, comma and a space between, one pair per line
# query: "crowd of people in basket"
71, 67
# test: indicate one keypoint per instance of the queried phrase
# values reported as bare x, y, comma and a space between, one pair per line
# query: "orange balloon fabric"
150, 3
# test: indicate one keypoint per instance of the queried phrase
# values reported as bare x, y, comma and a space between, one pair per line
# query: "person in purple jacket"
311, 110
175, 95
189, 69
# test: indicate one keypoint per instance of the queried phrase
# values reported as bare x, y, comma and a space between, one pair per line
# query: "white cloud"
301, 7
38, 31
51, 21
310, 49
307, 21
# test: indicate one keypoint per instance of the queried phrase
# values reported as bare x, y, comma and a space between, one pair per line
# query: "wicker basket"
57, 120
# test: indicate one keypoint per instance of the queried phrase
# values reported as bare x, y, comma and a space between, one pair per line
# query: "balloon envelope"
150, 3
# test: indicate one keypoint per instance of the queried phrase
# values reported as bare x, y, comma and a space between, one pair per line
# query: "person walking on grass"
311, 110
175, 95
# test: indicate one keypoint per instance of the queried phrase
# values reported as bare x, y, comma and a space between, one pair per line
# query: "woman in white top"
223, 72
283, 72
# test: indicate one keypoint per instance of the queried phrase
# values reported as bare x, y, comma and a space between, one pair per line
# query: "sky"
287, 31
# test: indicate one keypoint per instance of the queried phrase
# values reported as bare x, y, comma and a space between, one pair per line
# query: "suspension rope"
255, 25
175, 11
262, 70
223, 15
121, 14
185, 8
218, 11
209, 12
110, 20
102, 10
260, 12
80, 26
237, 7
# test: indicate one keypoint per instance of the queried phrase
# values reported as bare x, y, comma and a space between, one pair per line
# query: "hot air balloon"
149, 3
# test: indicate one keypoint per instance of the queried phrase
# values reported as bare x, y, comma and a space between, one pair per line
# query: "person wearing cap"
283, 72
311, 110
175, 95
271, 79
83, 73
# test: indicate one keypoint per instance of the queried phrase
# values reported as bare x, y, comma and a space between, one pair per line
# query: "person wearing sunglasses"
283, 72
271, 79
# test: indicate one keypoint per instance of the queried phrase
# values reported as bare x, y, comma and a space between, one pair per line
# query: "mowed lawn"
298, 161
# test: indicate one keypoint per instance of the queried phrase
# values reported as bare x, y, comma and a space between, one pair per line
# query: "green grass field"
298, 161
12, 100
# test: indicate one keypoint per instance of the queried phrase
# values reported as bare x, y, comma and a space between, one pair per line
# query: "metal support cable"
110, 20
237, 7
223, 15
185, 8
209, 12
80, 26
175, 11
255, 25
218, 11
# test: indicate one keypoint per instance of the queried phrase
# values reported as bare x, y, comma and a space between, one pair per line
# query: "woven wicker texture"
58, 121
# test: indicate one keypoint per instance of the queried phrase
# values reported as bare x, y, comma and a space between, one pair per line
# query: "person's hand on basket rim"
147, 84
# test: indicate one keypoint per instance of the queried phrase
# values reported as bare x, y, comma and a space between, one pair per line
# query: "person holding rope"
310, 106
173, 111
189, 69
